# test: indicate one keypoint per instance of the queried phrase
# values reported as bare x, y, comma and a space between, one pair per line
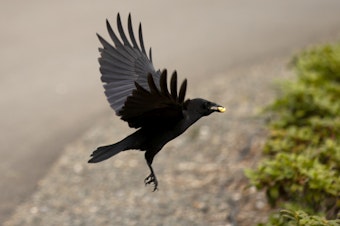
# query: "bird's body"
140, 95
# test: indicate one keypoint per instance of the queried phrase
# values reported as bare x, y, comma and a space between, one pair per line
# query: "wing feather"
182, 91
135, 90
173, 85
141, 38
163, 84
118, 54
153, 88
154, 106
132, 35
123, 64
150, 55
121, 32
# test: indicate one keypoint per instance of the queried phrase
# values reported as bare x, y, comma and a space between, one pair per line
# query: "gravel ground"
201, 180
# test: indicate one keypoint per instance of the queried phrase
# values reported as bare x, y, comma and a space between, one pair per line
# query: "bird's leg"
151, 179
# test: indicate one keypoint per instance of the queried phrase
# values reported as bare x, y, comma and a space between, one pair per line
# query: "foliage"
301, 218
298, 218
303, 148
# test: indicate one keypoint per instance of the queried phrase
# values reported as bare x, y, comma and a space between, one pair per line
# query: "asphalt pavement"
51, 92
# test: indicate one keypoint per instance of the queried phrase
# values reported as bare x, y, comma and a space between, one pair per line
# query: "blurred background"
49, 78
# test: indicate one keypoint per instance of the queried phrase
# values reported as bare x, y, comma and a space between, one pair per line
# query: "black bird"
140, 96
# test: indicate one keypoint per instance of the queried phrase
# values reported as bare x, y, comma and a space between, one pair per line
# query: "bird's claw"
151, 179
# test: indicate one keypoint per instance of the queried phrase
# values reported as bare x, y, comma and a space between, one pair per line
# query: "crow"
140, 96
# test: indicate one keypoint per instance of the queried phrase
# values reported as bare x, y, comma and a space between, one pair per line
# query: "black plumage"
140, 96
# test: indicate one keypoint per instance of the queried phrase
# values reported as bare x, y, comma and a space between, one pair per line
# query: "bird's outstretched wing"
155, 106
124, 64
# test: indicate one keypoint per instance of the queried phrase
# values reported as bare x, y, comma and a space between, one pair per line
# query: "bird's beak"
218, 109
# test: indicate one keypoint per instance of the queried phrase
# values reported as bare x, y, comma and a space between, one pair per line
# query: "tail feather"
132, 141
105, 152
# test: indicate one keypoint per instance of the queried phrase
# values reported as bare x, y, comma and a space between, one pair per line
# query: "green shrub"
302, 164
300, 218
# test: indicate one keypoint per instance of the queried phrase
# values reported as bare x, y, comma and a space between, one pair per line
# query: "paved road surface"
49, 74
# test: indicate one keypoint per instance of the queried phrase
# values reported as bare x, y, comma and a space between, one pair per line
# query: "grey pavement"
51, 93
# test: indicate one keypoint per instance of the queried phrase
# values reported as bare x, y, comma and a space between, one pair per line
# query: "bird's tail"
104, 152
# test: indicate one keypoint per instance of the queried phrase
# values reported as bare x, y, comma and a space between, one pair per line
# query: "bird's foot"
151, 179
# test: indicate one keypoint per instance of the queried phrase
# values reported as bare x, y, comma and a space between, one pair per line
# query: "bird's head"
203, 107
